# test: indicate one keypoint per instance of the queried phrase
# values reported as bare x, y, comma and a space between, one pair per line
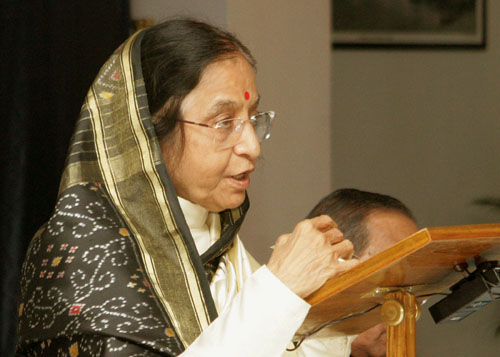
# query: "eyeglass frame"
270, 113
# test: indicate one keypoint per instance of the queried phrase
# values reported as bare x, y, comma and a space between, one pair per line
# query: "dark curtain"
50, 52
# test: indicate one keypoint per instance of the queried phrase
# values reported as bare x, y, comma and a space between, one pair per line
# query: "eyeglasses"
227, 132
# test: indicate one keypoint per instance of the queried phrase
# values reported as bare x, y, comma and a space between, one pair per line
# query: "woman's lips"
241, 180
240, 176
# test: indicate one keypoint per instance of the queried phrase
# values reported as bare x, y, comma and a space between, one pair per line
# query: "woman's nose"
248, 144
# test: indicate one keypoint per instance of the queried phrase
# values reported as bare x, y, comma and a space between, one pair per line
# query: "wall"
424, 126
213, 11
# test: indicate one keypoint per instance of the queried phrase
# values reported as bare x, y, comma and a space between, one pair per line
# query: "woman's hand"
305, 259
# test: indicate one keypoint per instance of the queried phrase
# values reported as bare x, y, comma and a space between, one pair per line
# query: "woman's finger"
345, 265
334, 236
323, 223
344, 249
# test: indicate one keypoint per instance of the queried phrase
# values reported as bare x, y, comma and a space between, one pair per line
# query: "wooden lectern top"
423, 263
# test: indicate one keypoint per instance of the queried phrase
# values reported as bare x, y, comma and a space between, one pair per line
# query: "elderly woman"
141, 255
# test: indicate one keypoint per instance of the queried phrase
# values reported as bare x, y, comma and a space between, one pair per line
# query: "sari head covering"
115, 270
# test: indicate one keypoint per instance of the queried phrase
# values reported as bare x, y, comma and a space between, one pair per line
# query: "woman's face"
213, 178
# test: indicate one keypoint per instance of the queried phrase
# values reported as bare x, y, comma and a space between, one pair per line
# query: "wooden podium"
390, 283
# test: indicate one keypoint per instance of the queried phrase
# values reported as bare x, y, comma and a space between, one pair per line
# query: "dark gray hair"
349, 207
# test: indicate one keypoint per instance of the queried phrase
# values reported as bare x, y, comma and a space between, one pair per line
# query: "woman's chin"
232, 202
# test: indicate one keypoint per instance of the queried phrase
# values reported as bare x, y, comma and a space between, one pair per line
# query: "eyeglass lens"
229, 131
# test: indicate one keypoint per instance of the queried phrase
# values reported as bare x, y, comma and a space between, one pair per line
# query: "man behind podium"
372, 222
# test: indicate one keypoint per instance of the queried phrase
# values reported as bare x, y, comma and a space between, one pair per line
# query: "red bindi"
247, 95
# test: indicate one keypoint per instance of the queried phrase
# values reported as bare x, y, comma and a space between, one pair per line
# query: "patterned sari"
115, 270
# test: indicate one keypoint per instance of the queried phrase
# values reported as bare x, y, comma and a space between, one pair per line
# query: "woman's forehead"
222, 104
227, 84
227, 72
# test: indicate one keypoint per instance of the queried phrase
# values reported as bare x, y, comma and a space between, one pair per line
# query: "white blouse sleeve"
261, 321
339, 346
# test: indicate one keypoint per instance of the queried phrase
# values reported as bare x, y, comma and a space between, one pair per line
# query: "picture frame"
409, 23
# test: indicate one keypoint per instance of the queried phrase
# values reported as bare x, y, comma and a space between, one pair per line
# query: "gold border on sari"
125, 160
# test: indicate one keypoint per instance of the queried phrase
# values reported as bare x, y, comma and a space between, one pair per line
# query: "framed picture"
408, 23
